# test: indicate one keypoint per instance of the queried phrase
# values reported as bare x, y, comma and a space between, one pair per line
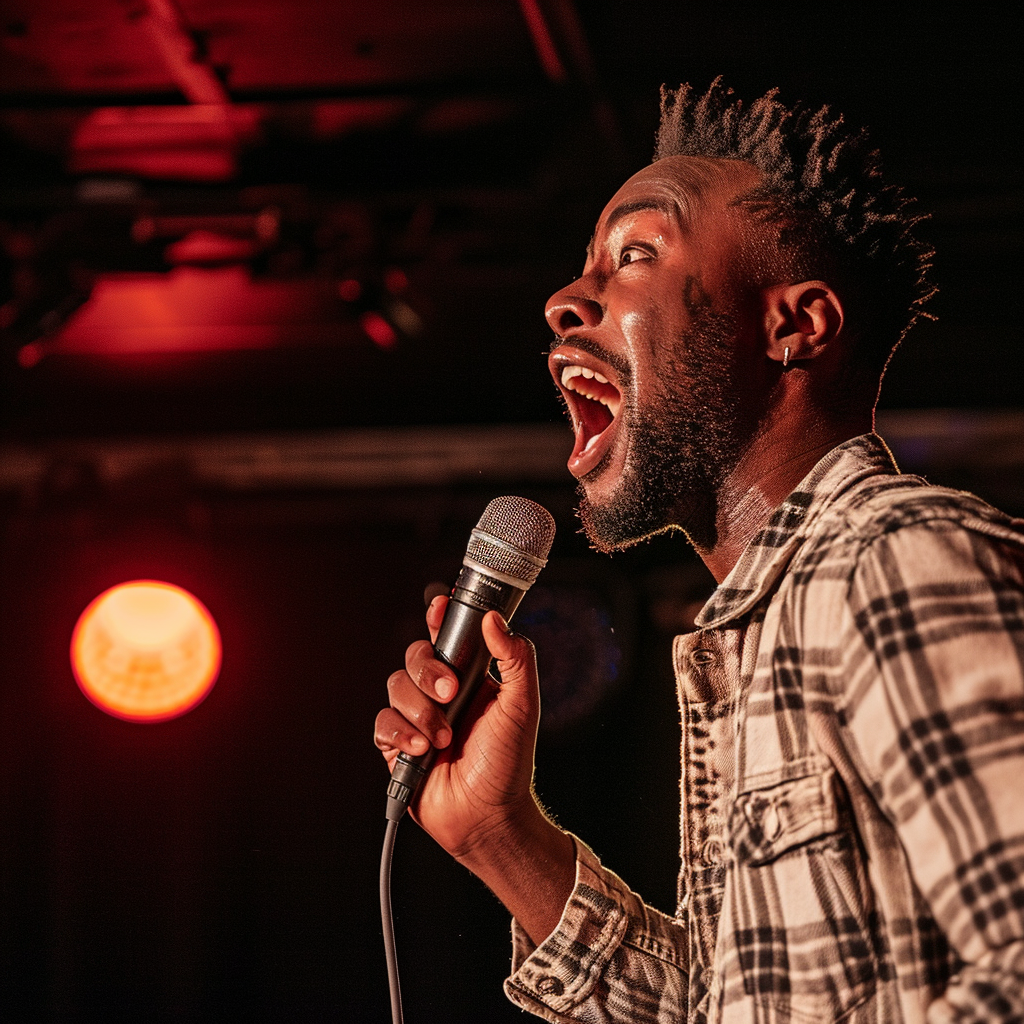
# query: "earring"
785, 358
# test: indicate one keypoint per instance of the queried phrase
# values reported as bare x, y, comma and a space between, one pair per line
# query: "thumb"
517, 660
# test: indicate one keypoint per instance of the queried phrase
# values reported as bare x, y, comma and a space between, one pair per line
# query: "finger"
418, 710
392, 733
435, 615
433, 677
517, 660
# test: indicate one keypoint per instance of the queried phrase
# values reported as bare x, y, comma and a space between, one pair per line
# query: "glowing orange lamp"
145, 651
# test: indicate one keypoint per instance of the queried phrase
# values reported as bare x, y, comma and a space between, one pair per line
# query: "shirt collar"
767, 555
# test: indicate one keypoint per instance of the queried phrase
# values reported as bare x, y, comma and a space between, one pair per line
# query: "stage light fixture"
145, 651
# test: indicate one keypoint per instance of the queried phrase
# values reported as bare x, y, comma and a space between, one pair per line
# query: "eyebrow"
665, 206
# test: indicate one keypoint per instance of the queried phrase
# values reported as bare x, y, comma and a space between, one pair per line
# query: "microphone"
506, 553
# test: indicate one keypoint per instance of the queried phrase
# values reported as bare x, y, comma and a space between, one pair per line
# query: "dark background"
193, 389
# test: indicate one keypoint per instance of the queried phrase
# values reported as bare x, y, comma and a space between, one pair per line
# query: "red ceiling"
103, 46
468, 143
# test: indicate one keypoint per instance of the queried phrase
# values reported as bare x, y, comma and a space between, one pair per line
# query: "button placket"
705, 699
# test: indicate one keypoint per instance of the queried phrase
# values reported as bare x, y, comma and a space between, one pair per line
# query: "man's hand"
484, 777
477, 802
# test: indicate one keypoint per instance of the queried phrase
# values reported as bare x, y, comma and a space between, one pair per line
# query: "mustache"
622, 368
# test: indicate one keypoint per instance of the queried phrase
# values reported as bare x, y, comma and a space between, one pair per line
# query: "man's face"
652, 354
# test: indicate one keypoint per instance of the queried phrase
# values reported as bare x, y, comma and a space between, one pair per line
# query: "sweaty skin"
685, 419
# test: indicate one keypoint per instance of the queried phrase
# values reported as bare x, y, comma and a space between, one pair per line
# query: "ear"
803, 318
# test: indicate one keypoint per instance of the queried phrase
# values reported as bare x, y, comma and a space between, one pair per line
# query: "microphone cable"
387, 921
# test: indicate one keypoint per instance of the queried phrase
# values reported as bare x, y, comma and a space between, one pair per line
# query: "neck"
775, 461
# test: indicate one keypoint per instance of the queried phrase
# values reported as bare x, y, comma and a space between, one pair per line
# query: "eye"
633, 252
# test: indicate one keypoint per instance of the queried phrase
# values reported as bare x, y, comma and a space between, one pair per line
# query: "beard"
681, 447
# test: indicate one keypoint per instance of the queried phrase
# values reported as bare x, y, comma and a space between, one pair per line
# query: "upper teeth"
581, 371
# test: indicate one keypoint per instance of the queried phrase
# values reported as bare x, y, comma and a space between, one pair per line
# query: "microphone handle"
460, 644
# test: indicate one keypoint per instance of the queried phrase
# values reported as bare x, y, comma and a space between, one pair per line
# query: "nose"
571, 308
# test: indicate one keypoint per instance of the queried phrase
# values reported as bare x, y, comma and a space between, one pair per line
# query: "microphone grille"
512, 539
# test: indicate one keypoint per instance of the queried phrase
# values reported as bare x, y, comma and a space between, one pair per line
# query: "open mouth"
594, 403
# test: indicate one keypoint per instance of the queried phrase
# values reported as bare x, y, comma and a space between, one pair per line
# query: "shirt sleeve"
611, 959
935, 713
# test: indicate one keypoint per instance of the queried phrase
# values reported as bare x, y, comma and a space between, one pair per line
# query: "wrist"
529, 863
505, 833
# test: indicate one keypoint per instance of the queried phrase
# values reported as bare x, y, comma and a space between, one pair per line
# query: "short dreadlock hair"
838, 219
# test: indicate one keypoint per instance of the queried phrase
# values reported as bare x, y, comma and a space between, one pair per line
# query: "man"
852, 700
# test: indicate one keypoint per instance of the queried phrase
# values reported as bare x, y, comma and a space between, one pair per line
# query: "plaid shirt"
852, 781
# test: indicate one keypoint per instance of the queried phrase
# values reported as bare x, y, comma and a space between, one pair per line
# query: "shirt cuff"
550, 979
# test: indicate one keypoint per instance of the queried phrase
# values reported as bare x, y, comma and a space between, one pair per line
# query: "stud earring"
785, 358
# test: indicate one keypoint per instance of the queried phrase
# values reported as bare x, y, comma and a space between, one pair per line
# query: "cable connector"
406, 777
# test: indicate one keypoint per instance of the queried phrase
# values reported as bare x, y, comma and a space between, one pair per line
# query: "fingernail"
444, 737
420, 744
445, 687
502, 623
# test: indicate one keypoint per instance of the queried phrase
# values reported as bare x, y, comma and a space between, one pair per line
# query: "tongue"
595, 417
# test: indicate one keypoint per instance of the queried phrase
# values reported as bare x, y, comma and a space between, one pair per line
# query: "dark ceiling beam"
196, 78
563, 51
543, 41
950, 445
559, 41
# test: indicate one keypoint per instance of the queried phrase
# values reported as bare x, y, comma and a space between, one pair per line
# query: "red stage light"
380, 332
350, 289
145, 651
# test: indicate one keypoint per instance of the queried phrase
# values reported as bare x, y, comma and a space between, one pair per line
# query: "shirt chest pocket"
798, 925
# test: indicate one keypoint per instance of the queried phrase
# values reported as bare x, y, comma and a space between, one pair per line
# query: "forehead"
689, 189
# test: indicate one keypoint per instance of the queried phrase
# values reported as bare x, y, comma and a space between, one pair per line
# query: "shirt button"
550, 986
764, 816
712, 851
